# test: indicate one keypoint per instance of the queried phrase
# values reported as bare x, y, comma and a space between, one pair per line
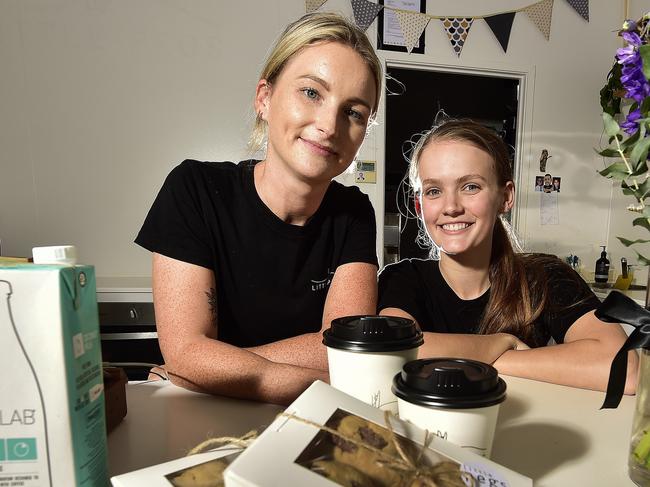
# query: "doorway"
414, 96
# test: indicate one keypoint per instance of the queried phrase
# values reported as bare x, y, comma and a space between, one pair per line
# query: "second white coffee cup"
455, 399
365, 353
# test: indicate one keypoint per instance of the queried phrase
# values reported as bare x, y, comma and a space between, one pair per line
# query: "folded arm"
187, 329
353, 291
583, 360
484, 348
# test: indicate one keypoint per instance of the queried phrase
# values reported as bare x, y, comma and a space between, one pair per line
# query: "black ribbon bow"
618, 308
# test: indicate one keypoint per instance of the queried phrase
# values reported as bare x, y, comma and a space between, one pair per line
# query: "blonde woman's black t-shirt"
271, 277
417, 287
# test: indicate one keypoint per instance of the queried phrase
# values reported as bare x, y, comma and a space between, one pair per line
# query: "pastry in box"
327, 438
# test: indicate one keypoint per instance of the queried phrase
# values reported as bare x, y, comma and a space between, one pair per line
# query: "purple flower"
630, 125
630, 25
632, 38
626, 55
635, 83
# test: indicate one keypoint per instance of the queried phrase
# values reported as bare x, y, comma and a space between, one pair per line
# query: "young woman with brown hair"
252, 260
479, 299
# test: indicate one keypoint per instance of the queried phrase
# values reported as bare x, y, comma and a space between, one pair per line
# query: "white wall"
99, 99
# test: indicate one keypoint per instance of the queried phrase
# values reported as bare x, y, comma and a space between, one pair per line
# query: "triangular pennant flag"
313, 5
540, 14
501, 25
580, 6
457, 29
412, 25
365, 12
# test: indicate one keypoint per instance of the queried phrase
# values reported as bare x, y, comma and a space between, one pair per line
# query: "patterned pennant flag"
412, 25
365, 12
580, 6
501, 26
313, 5
540, 14
457, 29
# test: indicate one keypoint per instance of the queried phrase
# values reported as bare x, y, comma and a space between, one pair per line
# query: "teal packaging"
52, 421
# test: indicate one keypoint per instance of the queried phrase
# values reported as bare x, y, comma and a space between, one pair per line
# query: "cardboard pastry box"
292, 452
192, 471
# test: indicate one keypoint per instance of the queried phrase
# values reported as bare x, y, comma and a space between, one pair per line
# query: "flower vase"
639, 456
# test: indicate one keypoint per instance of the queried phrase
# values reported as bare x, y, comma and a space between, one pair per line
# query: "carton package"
296, 450
203, 469
52, 424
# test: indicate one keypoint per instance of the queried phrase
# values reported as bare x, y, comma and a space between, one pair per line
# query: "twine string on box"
212, 443
438, 475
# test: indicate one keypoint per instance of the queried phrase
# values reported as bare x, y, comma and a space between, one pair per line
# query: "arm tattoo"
212, 301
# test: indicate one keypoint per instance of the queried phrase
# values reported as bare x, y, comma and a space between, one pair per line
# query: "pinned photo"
547, 183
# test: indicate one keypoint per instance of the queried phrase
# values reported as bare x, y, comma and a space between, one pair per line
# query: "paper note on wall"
549, 212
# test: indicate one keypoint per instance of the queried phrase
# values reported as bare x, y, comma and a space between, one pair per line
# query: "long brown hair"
519, 287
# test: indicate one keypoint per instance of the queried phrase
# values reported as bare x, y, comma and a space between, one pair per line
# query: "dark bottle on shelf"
602, 268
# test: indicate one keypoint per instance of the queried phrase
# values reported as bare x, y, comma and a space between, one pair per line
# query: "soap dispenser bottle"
602, 268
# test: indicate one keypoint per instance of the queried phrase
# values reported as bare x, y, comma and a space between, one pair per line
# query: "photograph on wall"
547, 183
389, 31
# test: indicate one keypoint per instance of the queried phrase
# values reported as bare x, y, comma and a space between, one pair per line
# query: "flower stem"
620, 151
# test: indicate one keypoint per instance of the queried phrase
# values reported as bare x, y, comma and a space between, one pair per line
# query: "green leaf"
644, 51
617, 170
631, 140
611, 126
645, 106
640, 170
618, 137
609, 153
627, 242
608, 101
641, 259
640, 193
640, 151
642, 222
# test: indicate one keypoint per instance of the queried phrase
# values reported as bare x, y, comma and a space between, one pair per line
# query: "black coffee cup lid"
373, 334
449, 383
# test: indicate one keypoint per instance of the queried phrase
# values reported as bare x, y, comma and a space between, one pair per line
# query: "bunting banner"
365, 12
412, 25
580, 6
457, 30
313, 5
540, 14
501, 25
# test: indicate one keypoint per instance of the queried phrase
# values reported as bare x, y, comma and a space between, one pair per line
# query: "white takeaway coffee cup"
455, 399
365, 353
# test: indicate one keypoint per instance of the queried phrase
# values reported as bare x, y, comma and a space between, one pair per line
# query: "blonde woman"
252, 260
479, 299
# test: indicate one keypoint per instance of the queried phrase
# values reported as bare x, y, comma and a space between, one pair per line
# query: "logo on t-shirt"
319, 285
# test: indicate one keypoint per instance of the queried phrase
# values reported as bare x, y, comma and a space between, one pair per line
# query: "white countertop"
123, 284
556, 435
636, 295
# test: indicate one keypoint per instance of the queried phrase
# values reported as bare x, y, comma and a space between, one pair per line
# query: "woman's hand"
583, 360
500, 343
519, 345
